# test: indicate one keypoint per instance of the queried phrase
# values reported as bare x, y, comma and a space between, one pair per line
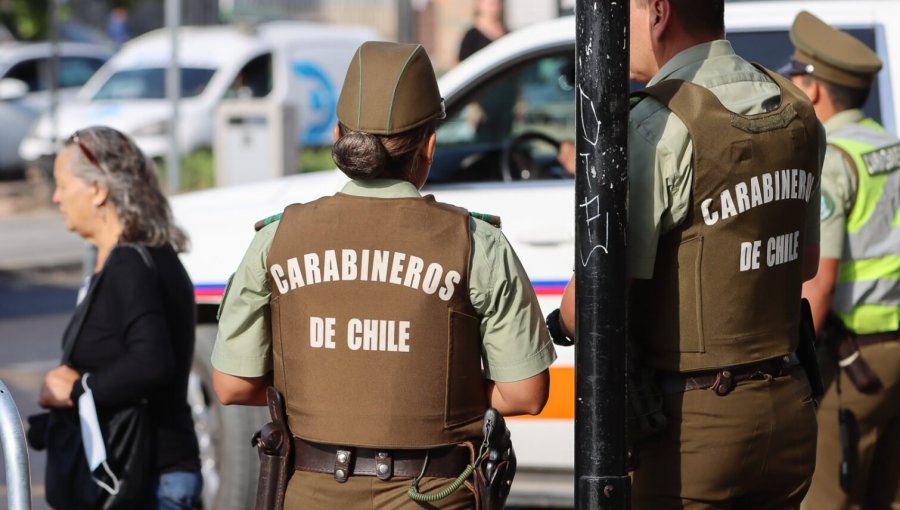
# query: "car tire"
229, 463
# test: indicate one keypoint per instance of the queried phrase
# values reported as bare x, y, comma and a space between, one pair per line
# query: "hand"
566, 157
57, 387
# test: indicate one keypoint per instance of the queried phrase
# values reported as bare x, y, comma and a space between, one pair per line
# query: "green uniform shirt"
660, 153
515, 346
839, 183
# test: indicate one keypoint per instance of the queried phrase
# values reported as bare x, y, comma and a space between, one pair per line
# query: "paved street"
34, 309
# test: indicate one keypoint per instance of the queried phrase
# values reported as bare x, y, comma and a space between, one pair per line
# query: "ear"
429, 146
336, 132
660, 17
101, 194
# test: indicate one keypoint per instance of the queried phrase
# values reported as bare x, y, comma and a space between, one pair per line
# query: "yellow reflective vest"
867, 295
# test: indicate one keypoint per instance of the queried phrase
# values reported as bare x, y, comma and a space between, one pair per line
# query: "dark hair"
109, 158
843, 98
364, 156
703, 16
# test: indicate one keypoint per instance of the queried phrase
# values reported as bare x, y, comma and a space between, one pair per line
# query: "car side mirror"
11, 89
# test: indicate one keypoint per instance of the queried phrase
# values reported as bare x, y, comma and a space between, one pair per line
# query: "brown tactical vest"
375, 340
726, 287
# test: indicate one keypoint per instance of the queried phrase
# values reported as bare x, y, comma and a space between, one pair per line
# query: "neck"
825, 110
106, 237
676, 42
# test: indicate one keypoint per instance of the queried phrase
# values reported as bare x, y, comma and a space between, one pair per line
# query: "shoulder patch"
493, 220
827, 207
266, 221
883, 160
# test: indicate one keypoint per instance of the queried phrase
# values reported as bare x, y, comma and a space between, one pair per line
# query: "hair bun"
360, 155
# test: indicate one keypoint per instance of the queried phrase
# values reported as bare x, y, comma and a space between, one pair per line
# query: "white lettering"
380, 265
397, 268
278, 276
321, 332
330, 272
413, 272
313, 275
743, 199
755, 193
768, 192
403, 338
709, 219
354, 329
294, 273
728, 209
750, 255
348, 265
432, 278
364, 266
450, 282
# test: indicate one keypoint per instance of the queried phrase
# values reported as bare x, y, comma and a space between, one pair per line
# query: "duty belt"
344, 461
723, 380
877, 338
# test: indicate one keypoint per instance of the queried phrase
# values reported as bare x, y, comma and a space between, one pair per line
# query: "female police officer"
373, 310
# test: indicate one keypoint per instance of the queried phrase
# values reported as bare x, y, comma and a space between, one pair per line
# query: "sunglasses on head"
84, 150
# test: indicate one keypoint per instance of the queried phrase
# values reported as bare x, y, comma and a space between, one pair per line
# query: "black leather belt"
722, 381
344, 461
877, 338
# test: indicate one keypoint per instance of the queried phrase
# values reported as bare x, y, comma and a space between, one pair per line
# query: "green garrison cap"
390, 88
831, 54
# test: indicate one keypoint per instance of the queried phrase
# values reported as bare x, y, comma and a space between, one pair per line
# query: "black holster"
274, 444
843, 342
806, 351
495, 472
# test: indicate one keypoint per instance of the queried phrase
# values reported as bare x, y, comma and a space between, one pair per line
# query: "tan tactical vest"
375, 340
726, 287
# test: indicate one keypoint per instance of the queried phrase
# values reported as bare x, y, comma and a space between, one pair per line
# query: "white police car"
508, 106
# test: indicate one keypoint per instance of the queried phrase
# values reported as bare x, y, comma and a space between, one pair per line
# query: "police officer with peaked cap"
373, 310
716, 258
858, 283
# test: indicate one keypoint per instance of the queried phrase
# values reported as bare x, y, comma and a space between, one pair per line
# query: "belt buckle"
384, 466
724, 383
342, 459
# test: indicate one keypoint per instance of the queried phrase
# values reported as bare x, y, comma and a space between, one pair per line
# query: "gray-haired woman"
132, 336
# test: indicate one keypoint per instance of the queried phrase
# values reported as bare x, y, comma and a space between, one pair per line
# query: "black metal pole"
601, 186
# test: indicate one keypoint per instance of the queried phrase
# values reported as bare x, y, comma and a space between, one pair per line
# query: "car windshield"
151, 83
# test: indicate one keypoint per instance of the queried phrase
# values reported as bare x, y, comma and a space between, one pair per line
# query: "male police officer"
724, 163
859, 270
382, 304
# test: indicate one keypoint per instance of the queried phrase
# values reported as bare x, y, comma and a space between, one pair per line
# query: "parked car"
290, 62
507, 168
25, 84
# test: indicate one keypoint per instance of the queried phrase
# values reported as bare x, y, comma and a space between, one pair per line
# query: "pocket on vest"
465, 400
690, 322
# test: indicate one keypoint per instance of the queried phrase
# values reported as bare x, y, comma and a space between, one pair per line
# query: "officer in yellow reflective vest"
859, 271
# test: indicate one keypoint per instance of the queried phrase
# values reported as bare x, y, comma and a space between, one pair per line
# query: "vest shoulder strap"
488, 218
259, 225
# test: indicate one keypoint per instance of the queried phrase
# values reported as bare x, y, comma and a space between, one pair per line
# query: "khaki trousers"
319, 491
751, 449
876, 481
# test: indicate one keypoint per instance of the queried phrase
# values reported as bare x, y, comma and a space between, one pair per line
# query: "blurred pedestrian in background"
707, 141
382, 373
489, 25
117, 26
855, 296
131, 340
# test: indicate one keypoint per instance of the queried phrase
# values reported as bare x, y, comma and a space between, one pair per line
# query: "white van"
509, 170
299, 63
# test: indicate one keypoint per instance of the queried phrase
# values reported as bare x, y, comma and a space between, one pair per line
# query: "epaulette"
493, 220
267, 221
634, 99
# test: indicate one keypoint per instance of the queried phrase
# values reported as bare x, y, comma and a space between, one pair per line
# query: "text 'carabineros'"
380, 266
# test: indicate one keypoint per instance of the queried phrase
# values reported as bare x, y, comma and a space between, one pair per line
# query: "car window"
75, 71
151, 83
29, 71
253, 80
773, 48
533, 97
